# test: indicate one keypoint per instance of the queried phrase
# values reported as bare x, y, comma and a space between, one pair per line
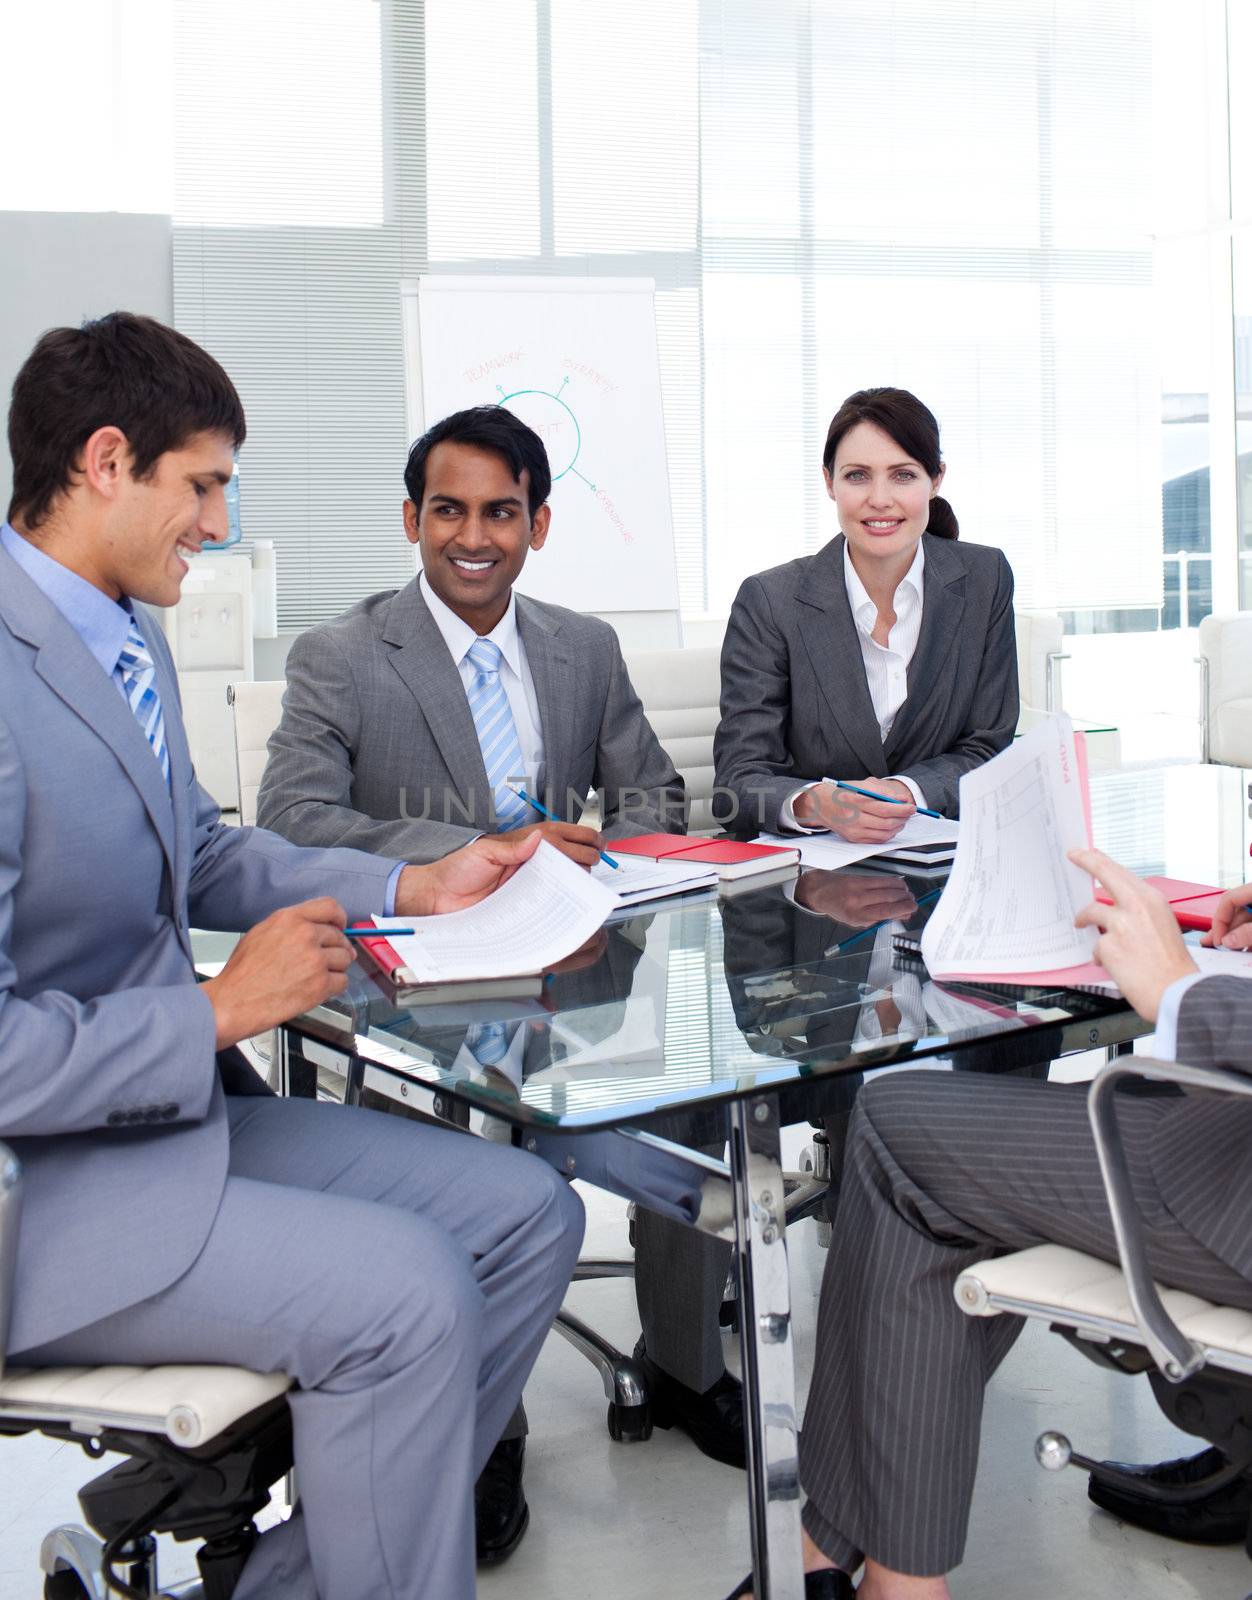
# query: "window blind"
949, 195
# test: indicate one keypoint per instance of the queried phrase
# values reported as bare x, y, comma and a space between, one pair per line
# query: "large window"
1030, 212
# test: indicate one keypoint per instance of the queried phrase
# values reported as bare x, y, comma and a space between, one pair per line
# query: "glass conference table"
700, 1022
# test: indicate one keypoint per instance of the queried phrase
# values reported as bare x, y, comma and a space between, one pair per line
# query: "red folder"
1193, 904
731, 857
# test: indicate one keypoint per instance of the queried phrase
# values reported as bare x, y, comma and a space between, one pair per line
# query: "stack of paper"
546, 910
828, 850
1007, 911
635, 878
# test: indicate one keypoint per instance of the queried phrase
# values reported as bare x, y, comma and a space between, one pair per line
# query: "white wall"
60, 267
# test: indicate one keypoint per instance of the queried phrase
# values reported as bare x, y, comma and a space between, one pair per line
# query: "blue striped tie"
497, 734
139, 681
487, 1042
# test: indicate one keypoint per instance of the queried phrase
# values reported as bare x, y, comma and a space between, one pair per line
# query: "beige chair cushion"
681, 694
257, 708
1230, 733
1082, 1292
1039, 635
189, 1405
1226, 645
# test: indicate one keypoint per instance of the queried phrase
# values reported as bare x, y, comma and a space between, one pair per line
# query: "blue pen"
382, 933
544, 812
887, 799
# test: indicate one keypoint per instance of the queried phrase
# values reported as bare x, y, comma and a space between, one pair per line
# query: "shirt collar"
102, 624
459, 636
858, 595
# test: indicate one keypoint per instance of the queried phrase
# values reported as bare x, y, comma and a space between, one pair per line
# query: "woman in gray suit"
887, 659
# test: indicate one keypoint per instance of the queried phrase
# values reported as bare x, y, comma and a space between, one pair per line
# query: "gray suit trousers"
943, 1172
405, 1277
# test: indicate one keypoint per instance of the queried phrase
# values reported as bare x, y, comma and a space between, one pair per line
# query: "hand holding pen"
578, 843
857, 814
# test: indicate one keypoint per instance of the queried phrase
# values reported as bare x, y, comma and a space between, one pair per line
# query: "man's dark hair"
486, 428
122, 371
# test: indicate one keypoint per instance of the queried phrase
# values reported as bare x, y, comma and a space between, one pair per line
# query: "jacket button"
115, 1119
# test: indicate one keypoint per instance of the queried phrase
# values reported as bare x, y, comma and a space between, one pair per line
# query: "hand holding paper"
1140, 947
1009, 906
544, 911
462, 878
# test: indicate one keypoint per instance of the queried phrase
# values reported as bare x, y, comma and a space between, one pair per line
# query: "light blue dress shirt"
102, 624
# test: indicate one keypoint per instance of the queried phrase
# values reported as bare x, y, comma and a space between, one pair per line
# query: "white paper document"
1009, 904
547, 909
635, 878
829, 850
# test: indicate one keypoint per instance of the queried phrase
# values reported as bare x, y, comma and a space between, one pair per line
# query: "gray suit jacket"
796, 706
377, 748
1202, 1157
110, 1093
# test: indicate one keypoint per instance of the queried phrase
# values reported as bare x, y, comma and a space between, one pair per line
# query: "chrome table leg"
765, 1343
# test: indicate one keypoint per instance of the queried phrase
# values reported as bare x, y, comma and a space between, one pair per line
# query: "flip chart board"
576, 358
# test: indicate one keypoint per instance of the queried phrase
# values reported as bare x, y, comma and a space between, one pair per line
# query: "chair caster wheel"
65, 1586
630, 1424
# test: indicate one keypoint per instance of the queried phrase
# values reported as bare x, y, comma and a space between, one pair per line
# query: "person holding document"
173, 1209
945, 1171
887, 660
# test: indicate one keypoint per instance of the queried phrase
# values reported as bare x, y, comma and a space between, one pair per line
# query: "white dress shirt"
886, 666
519, 686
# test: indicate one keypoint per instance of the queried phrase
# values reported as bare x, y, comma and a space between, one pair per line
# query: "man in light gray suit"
944, 1172
174, 1210
408, 725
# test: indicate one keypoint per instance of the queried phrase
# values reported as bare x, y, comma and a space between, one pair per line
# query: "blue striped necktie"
497, 734
139, 681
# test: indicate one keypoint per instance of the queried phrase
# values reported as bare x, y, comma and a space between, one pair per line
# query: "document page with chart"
1009, 905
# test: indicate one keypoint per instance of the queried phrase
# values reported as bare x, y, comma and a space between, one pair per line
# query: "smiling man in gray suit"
408, 725
409, 721
174, 1210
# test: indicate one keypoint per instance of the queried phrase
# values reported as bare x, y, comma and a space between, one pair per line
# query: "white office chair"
1040, 651
1226, 688
1198, 1356
204, 1444
257, 705
681, 695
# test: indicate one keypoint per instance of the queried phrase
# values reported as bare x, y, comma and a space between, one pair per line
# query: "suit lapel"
943, 606
65, 664
830, 637
552, 673
425, 665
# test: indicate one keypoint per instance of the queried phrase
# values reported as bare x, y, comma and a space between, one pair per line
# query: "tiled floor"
659, 1520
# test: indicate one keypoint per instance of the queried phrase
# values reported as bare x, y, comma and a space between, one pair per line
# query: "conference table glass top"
697, 999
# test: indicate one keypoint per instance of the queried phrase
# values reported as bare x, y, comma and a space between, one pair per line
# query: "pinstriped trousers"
942, 1172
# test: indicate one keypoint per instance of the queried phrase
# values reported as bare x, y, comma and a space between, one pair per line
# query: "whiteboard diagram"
576, 360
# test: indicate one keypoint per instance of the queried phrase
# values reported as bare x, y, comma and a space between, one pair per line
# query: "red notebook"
731, 857
1193, 904
407, 990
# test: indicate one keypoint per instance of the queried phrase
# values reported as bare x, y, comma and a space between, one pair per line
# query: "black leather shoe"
501, 1515
828, 1584
714, 1419
1221, 1517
